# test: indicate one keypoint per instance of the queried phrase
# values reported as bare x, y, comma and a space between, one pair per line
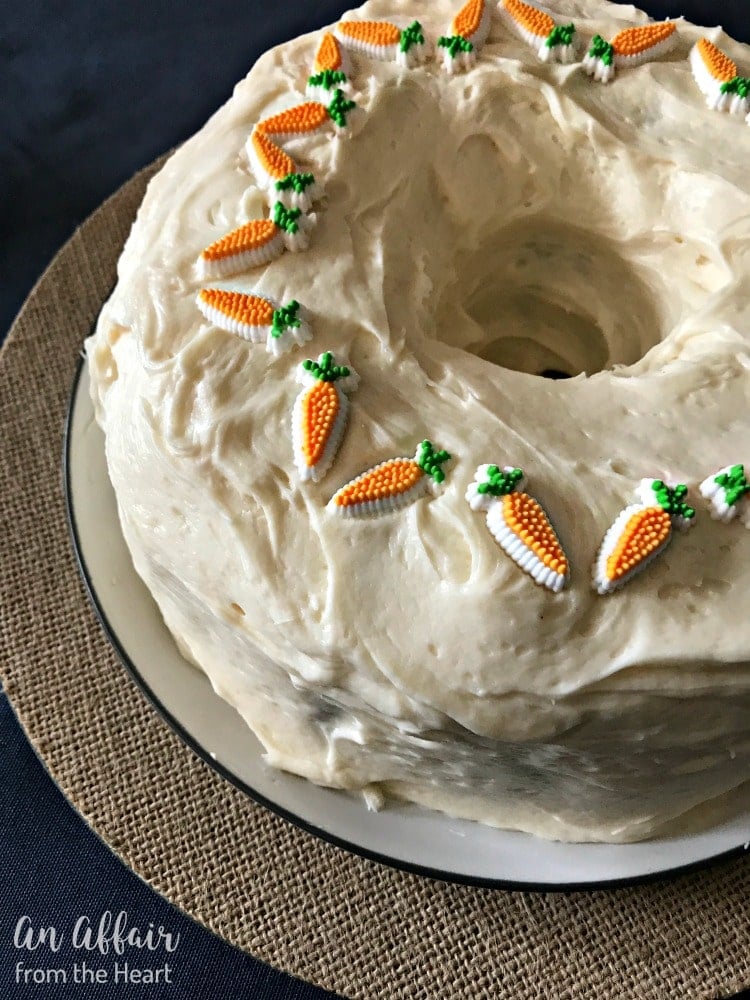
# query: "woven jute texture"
299, 904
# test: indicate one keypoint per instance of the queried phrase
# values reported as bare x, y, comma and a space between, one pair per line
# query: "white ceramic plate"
406, 837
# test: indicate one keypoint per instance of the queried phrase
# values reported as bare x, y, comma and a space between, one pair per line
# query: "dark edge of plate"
290, 817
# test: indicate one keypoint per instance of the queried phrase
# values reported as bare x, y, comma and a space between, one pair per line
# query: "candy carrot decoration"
717, 78
552, 42
729, 493
252, 245
640, 532
320, 414
519, 525
391, 485
468, 32
302, 119
383, 40
630, 47
307, 118
275, 169
330, 70
255, 318
256, 243
279, 175
330, 57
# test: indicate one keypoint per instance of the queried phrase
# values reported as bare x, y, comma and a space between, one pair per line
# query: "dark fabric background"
91, 90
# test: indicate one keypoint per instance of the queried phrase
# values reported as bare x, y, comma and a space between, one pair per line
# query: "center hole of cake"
553, 300
528, 332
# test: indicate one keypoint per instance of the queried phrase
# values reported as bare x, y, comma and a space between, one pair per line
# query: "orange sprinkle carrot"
552, 42
383, 40
638, 40
468, 32
386, 481
629, 47
392, 484
255, 318
469, 19
320, 414
519, 524
640, 532
717, 78
719, 66
299, 120
527, 520
251, 236
251, 245
248, 311
378, 34
330, 71
278, 174
645, 532
529, 18
271, 159
329, 55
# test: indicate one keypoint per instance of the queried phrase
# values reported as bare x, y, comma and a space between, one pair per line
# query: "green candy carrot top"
729, 493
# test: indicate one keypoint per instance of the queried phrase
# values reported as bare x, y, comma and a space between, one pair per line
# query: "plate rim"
456, 878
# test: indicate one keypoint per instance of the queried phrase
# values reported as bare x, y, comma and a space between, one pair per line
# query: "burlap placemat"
299, 904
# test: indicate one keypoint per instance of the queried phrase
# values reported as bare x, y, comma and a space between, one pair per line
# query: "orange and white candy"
640, 533
384, 40
320, 414
256, 243
331, 56
552, 42
251, 245
278, 174
467, 34
300, 120
519, 525
630, 47
392, 485
331, 69
255, 318
718, 79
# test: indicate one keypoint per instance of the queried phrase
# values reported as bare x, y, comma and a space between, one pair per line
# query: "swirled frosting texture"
478, 228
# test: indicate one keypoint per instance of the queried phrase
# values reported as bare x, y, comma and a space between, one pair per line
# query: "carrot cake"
424, 386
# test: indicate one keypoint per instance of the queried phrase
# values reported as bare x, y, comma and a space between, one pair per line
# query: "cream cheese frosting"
477, 229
